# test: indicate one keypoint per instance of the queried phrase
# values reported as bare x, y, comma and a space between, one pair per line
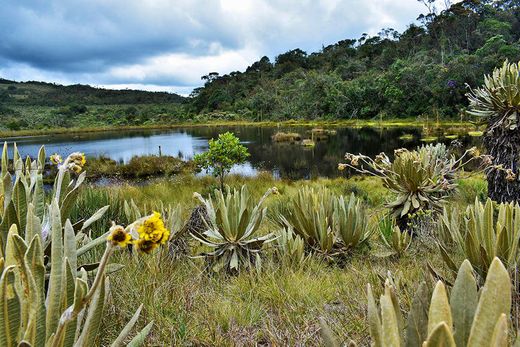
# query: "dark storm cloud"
84, 36
166, 43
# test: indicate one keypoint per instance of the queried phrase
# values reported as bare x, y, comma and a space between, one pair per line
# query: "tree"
498, 103
222, 155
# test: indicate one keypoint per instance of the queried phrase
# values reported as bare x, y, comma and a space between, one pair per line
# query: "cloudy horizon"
163, 45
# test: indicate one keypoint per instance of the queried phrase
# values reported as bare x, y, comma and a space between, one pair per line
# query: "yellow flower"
83, 159
152, 229
119, 237
145, 246
76, 168
55, 159
78, 158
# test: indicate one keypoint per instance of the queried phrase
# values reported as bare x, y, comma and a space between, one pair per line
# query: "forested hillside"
40, 105
423, 70
48, 94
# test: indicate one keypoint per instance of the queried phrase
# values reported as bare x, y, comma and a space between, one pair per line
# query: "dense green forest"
40, 105
424, 70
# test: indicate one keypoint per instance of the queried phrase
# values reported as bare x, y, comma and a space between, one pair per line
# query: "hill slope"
48, 94
40, 105
423, 70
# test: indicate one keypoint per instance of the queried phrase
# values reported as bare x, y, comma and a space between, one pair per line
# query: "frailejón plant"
464, 319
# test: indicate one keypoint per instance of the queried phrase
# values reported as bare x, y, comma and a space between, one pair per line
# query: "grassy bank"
281, 304
297, 123
138, 167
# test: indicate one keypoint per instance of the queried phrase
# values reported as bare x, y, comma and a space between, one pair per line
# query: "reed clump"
286, 137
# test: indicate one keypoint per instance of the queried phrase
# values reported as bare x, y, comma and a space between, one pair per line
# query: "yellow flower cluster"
146, 234
76, 161
119, 237
152, 229
151, 233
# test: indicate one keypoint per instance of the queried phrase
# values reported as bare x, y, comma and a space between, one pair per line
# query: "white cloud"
184, 68
169, 44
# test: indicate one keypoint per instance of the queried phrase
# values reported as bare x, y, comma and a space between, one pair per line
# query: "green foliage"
326, 222
350, 221
75, 97
395, 239
420, 179
465, 319
488, 231
499, 98
423, 70
222, 155
138, 167
290, 247
46, 306
449, 224
234, 221
24, 199
276, 305
310, 215
38, 105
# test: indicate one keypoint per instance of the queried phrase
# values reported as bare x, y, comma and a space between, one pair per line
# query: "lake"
284, 160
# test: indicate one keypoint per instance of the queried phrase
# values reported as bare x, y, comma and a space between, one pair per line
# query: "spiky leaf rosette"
498, 102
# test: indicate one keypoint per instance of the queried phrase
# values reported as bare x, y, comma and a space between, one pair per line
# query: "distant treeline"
34, 93
39, 105
423, 70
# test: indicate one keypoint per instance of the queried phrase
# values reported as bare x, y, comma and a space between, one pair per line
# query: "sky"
167, 45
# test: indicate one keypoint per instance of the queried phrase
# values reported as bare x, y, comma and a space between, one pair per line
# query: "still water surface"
284, 160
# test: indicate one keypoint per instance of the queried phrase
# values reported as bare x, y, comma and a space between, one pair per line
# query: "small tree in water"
498, 103
222, 154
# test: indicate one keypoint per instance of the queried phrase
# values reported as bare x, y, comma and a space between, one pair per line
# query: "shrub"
498, 104
234, 221
465, 319
286, 137
310, 216
222, 155
137, 167
350, 222
487, 232
152, 165
420, 179
325, 222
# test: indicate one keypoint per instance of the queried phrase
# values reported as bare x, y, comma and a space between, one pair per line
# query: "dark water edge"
283, 160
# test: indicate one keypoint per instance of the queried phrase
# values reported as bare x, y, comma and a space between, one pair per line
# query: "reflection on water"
283, 159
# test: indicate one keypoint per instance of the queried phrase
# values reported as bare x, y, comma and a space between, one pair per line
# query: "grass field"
277, 305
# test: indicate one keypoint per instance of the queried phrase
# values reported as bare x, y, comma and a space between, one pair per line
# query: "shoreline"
298, 123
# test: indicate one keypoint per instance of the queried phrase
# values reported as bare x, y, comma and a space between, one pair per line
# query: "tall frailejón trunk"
498, 102
503, 145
